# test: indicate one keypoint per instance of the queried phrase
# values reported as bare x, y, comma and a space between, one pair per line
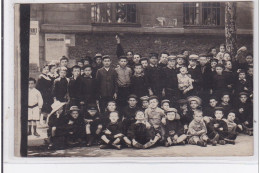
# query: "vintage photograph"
141, 79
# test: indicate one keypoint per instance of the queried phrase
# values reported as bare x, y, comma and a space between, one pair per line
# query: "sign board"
34, 43
55, 46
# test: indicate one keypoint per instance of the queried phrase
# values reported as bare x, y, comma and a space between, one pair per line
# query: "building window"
211, 13
113, 13
201, 14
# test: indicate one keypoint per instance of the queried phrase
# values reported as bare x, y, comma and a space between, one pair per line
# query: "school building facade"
77, 30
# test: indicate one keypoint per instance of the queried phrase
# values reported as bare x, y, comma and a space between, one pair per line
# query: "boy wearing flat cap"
93, 125
106, 83
155, 76
174, 131
144, 103
245, 114
195, 72
171, 80
128, 112
74, 127
156, 117
180, 62
97, 64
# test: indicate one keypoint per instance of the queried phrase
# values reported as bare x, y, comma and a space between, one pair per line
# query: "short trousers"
34, 114
192, 139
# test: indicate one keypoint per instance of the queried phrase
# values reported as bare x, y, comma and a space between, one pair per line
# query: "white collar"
192, 67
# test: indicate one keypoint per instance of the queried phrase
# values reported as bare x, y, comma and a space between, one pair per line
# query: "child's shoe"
249, 132
36, 134
104, 147
229, 141
117, 146
167, 144
222, 142
138, 145
29, 133
202, 143
148, 144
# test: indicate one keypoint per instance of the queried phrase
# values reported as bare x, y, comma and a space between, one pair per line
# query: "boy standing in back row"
106, 83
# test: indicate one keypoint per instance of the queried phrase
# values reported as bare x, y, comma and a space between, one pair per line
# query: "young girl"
220, 55
53, 72
184, 81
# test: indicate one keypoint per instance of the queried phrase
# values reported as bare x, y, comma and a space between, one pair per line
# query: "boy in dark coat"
106, 83
88, 87
74, 127
112, 134
93, 124
56, 122
225, 103
174, 130
218, 127
195, 72
242, 84
97, 64
60, 86
74, 87
219, 84
141, 136
128, 112
245, 113
232, 127
64, 63
171, 80
163, 59
155, 77
209, 111
139, 85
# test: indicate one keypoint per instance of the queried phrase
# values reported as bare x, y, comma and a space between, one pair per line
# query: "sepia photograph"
135, 79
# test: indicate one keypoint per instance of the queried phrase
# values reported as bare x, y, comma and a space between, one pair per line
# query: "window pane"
101, 13
125, 13
191, 13
211, 13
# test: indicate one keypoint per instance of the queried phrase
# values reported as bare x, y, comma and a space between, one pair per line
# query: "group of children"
144, 102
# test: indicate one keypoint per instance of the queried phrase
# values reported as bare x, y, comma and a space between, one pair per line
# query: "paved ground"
243, 147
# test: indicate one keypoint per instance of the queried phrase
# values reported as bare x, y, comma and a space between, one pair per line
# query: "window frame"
113, 17
201, 25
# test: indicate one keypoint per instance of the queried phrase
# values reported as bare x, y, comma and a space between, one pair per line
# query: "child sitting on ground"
218, 129
197, 132
156, 117
92, 124
174, 131
112, 135
111, 107
74, 127
141, 136
232, 127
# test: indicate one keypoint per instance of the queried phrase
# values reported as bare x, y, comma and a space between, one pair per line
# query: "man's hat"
182, 101
171, 110
219, 108
153, 55
92, 107
194, 98
106, 57
203, 55
172, 57
193, 57
153, 97
56, 106
132, 96
98, 55
165, 101
214, 60
74, 108
144, 98
243, 93
181, 56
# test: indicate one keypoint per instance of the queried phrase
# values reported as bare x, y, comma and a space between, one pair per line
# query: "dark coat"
170, 78
196, 76
44, 85
59, 123
60, 89
106, 82
140, 133
139, 86
174, 127
74, 88
212, 131
88, 89
155, 79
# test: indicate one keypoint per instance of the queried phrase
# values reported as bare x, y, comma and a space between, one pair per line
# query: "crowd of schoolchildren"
144, 102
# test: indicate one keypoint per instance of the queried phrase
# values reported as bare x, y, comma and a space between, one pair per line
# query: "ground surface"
243, 147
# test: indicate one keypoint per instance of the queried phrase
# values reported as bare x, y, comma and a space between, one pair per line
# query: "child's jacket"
174, 127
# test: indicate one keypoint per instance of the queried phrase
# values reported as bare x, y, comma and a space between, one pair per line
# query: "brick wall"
89, 44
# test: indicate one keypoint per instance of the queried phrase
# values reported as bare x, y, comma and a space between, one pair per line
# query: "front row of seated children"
150, 128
